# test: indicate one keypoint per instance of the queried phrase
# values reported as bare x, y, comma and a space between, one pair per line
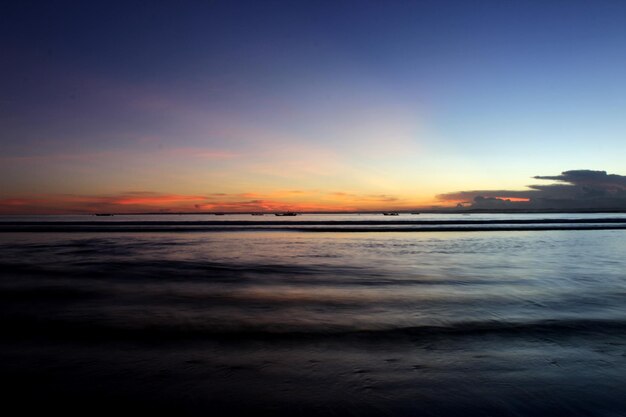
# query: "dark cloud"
577, 189
590, 178
468, 196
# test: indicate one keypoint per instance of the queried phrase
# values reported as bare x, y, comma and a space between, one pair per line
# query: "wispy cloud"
90, 156
145, 201
196, 152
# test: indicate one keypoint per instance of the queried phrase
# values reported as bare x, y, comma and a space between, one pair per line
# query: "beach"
524, 315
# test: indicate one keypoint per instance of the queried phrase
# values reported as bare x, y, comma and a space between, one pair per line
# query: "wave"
28, 327
291, 227
312, 222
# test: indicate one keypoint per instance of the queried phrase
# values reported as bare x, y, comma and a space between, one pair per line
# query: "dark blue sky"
405, 98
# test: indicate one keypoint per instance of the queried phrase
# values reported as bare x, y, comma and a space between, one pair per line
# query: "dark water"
283, 322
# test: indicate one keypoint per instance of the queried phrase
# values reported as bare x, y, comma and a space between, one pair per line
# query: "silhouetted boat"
103, 214
219, 214
390, 214
414, 213
257, 214
288, 213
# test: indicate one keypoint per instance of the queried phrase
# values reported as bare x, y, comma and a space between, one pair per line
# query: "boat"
103, 214
256, 214
288, 213
415, 213
393, 213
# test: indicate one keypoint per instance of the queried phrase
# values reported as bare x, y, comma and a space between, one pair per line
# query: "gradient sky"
302, 105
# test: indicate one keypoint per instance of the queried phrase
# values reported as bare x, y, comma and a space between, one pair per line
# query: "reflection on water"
498, 323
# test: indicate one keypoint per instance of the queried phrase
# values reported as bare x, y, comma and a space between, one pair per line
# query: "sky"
311, 105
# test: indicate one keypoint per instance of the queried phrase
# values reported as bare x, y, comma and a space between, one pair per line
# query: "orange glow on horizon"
515, 199
156, 200
142, 202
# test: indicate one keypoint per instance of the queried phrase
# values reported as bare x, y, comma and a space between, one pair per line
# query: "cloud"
146, 201
376, 198
191, 152
138, 201
611, 182
576, 189
94, 156
156, 199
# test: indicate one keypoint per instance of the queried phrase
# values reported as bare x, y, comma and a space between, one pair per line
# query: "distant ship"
257, 214
414, 213
219, 214
102, 214
390, 214
288, 213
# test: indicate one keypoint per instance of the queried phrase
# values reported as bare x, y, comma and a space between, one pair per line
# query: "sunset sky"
309, 105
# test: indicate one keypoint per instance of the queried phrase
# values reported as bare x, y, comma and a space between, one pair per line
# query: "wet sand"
571, 374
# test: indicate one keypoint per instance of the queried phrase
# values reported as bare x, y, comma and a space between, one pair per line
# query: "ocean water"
511, 315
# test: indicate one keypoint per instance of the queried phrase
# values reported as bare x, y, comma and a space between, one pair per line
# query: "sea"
314, 315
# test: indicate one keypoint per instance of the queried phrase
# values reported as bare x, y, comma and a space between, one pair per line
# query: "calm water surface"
502, 323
